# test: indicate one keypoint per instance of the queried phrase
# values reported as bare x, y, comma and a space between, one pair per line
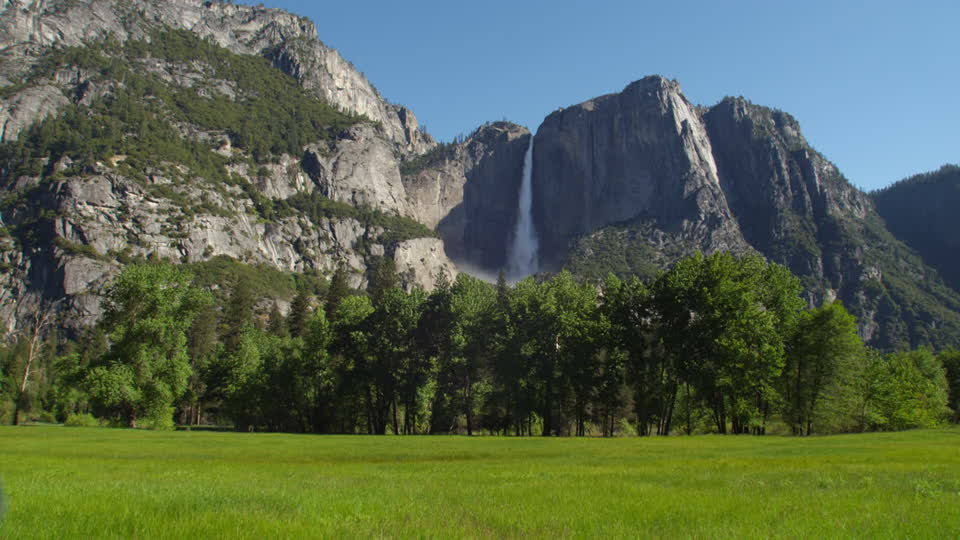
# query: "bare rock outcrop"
421, 261
360, 169
468, 191
28, 27
640, 154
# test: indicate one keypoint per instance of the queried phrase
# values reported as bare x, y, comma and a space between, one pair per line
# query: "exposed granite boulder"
360, 169
421, 261
28, 106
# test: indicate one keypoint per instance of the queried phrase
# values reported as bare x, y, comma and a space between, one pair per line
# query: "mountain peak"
288, 41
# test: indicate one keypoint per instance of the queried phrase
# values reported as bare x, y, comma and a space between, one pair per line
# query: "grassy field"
77, 482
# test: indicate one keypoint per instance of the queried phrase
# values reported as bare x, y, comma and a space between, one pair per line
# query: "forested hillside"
164, 144
922, 212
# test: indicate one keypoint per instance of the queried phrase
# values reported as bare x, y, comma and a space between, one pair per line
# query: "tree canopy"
716, 344
149, 309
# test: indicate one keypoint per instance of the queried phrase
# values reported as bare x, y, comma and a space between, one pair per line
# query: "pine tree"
237, 315
382, 277
299, 313
276, 324
338, 290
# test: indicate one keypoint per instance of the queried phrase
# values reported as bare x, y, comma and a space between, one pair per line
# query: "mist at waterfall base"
523, 251
522, 255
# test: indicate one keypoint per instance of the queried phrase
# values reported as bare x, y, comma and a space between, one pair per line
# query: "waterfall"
522, 256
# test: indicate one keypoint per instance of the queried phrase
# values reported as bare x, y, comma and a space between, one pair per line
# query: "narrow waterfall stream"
522, 255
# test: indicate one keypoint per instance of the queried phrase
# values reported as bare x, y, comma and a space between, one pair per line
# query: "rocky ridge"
640, 154
921, 211
654, 178
68, 226
290, 42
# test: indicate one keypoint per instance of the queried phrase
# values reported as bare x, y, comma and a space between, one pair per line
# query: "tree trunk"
16, 411
370, 414
40, 320
517, 421
468, 405
396, 419
548, 410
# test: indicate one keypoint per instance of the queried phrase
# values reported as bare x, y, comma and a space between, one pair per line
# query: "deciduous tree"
148, 309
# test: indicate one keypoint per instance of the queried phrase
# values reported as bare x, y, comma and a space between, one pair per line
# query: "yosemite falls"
522, 256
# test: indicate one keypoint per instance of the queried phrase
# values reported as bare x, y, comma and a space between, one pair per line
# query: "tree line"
716, 344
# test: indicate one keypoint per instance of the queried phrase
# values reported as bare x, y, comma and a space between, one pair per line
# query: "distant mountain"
630, 182
923, 211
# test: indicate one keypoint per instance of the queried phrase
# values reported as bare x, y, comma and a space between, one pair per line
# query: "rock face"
25, 107
496, 155
289, 41
796, 208
627, 182
68, 227
640, 154
788, 199
360, 170
105, 218
632, 181
469, 191
421, 260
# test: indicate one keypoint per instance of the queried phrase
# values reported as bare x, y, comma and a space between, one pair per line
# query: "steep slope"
796, 208
632, 181
167, 145
640, 155
921, 211
470, 189
29, 27
197, 131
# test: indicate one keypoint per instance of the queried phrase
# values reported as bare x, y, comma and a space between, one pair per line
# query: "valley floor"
82, 482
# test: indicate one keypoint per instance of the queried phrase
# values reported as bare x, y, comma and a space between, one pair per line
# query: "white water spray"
522, 256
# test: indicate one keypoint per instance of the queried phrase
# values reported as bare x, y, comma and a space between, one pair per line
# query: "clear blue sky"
874, 84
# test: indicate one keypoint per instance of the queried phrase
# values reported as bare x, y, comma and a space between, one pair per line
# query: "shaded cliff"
642, 154
630, 182
470, 189
922, 211
796, 208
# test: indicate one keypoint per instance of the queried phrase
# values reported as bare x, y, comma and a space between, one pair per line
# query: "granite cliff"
200, 131
29, 28
163, 129
642, 154
631, 181
470, 188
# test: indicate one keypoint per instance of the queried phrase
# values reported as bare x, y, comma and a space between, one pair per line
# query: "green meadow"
87, 482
